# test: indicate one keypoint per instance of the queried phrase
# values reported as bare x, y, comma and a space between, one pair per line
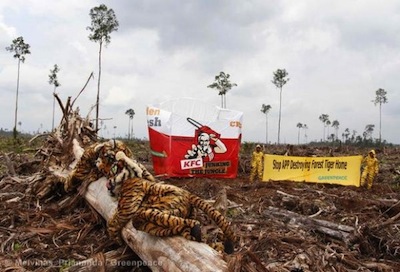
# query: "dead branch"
337, 231
386, 223
39, 135
84, 87
9, 164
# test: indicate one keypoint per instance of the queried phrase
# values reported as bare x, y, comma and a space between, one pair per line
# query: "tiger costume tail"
219, 219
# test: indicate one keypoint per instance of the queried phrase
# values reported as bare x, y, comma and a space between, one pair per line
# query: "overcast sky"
337, 54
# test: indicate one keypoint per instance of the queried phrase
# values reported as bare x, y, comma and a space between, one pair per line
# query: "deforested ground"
281, 226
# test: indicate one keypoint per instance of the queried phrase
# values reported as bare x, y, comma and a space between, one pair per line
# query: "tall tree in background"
223, 85
305, 127
53, 80
299, 126
335, 125
369, 129
380, 99
328, 123
353, 135
279, 81
130, 113
265, 109
103, 23
20, 49
324, 118
345, 135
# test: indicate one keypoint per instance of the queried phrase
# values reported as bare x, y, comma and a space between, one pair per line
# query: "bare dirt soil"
281, 226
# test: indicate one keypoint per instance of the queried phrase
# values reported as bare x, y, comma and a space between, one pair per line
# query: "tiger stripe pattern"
94, 162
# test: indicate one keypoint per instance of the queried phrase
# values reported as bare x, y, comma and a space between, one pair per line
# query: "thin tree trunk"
54, 107
298, 137
224, 101
98, 89
266, 128
129, 128
380, 122
305, 136
280, 110
328, 132
16, 102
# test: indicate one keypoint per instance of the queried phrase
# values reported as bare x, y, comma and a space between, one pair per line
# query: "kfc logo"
192, 163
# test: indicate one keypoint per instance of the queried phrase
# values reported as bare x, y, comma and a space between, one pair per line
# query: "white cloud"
337, 54
6, 31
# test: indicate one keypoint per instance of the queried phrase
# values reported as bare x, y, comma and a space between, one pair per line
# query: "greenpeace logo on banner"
332, 177
192, 163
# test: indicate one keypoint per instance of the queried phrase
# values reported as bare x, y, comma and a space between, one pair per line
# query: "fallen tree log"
159, 254
337, 231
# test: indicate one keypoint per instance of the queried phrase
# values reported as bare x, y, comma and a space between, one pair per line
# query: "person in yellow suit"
371, 168
257, 164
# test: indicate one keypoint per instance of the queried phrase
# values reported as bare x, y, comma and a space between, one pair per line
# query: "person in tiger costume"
157, 208
87, 170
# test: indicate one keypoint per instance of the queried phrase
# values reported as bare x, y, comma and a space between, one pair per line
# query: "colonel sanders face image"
205, 148
204, 142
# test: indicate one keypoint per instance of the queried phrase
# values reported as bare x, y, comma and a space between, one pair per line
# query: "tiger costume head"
106, 154
121, 167
93, 162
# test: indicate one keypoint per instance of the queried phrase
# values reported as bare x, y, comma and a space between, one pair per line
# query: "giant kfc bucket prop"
189, 138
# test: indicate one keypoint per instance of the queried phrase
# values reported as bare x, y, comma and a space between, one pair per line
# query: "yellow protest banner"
333, 170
